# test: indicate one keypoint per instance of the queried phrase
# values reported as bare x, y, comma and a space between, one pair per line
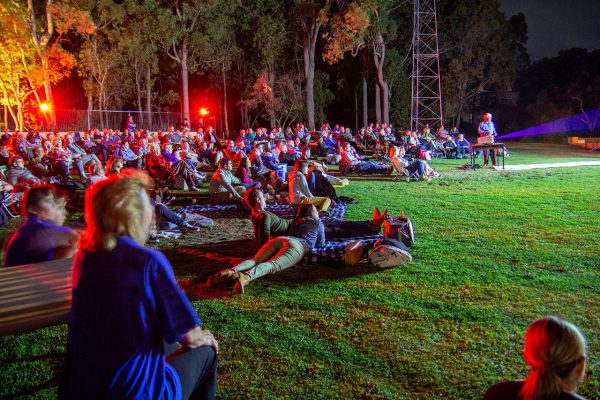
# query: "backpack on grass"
400, 228
386, 256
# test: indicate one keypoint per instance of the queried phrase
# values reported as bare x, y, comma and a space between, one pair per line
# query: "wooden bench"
34, 296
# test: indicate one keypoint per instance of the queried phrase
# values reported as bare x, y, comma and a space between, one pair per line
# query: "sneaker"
242, 281
194, 189
323, 213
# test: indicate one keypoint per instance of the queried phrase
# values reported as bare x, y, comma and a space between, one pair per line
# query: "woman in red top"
157, 165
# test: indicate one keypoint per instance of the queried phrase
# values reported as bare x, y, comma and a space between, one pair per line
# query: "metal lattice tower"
426, 104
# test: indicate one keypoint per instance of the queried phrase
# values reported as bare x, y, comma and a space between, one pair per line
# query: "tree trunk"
384, 95
149, 96
48, 91
41, 43
185, 97
309, 40
8, 108
225, 116
379, 59
138, 88
377, 104
365, 103
271, 67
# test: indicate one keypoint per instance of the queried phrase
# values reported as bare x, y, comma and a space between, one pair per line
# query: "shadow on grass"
197, 263
32, 391
52, 381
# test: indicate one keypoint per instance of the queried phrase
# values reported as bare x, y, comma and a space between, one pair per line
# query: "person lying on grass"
305, 232
267, 225
128, 313
556, 353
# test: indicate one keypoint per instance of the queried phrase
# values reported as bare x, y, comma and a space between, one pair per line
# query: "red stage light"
203, 112
44, 107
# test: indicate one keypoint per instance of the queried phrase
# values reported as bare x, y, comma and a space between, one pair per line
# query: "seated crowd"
181, 158
161, 349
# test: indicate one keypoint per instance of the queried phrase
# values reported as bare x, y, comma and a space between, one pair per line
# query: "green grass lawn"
494, 251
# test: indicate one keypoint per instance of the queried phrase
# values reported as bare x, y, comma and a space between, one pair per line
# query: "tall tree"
268, 37
177, 34
46, 33
312, 15
218, 49
141, 48
33, 60
371, 24
100, 56
476, 52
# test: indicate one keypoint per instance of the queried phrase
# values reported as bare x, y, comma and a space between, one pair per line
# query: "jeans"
138, 164
371, 167
197, 370
252, 184
463, 151
163, 212
276, 255
416, 169
492, 154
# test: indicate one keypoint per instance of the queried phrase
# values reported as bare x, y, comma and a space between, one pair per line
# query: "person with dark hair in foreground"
304, 233
128, 312
555, 351
42, 236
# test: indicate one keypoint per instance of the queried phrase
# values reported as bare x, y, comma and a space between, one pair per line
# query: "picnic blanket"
234, 211
334, 249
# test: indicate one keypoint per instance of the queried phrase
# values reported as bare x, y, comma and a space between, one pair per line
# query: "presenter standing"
487, 128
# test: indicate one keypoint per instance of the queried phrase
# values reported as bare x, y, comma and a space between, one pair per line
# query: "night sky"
557, 24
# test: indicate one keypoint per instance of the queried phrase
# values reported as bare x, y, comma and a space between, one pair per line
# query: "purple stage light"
585, 121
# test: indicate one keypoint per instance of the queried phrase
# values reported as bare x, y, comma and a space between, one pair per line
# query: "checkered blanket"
234, 211
334, 249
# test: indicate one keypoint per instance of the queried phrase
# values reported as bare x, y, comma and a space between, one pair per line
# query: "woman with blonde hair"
128, 312
418, 169
555, 351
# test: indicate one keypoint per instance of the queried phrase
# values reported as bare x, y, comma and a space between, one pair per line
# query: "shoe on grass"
242, 281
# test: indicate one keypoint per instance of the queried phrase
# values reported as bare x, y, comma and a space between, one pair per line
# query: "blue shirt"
487, 128
125, 304
310, 232
35, 241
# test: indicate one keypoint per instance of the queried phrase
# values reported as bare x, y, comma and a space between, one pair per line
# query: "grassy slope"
494, 251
